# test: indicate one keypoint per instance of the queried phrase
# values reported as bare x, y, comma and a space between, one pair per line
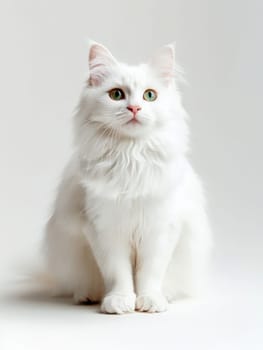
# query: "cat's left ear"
163, 62
100, 62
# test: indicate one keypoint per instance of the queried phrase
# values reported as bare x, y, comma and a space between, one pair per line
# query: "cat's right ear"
100, 62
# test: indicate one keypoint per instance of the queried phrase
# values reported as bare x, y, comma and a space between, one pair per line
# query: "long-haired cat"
129, 226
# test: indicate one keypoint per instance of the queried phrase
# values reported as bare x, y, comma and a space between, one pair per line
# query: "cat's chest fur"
128, 170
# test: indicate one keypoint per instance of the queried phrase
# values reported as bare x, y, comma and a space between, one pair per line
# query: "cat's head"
132, 101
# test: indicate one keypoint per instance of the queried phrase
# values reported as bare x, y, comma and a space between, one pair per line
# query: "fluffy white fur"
129, 226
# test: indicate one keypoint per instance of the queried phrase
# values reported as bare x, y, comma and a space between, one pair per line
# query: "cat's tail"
33, 277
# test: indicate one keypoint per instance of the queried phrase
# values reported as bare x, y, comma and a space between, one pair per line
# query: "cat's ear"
163, 62
100, 62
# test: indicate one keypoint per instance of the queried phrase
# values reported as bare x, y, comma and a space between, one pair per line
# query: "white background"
43, 59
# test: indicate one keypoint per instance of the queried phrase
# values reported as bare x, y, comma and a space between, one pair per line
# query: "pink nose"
134, 109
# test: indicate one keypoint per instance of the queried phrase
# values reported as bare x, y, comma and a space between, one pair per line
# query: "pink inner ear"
97, 51
100, 59
92, 53
93, 81
97, 73
163, 63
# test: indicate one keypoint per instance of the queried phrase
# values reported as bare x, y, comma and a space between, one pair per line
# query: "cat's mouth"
134, 121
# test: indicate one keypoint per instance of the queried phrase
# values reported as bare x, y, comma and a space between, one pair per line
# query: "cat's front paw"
155, 302
118, 303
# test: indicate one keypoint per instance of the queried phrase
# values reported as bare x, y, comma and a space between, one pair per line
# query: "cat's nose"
134, 109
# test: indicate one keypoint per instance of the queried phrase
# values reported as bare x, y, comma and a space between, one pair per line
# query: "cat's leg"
153, 256
187, 271
70, 262
112, 252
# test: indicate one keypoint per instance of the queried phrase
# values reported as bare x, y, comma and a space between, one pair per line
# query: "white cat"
129, 226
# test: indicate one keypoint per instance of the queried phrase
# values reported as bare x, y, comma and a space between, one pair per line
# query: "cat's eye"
116, 94
150, 95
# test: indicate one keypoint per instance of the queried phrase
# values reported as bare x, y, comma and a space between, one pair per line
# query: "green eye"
150, 95
116, 94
